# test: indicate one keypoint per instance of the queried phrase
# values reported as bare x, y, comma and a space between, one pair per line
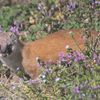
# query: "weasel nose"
3, 48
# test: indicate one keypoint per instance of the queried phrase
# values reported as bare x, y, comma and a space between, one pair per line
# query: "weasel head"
8, 43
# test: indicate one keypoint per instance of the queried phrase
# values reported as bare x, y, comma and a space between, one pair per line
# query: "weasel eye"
9, 46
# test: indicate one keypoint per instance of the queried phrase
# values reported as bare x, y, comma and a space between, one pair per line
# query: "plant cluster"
76, 75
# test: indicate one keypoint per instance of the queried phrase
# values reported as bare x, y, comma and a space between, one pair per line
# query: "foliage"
76, 75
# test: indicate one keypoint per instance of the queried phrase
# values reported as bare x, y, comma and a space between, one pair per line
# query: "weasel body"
16, 54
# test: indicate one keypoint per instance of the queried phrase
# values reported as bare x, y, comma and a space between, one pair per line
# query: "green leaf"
92, 41
0, 68
71, 33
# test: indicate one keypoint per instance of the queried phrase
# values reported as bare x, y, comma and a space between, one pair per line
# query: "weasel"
16, 54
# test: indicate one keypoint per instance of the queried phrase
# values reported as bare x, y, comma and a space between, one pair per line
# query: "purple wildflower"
94, 95
74, 90
95, 87
75, 54
95, 1
39, 6
42, 1
21, 79
77, 89
12, 29
49, 14
99, 2
15, 22
86, 28
46, 64
95, 12
1, 31
52, 7
38, 65
21, 25
69, 62
95, 57
73, 5
26, 0
69, 56
35, 80
80, 96
98, 86
43, 12
85, 39
42, 17
98, 61
58, 62
82, 85
0, 27
30, 81
68, 7
83, 15
76, 59
86, 82
83, 57
51, 71
49, 62
16, 29
85, 66
92, 4
90, 95
92, 70
60, 56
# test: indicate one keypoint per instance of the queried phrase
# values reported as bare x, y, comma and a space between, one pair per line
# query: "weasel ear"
12, 38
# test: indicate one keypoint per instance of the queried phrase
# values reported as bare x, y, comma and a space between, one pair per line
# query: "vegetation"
76, 75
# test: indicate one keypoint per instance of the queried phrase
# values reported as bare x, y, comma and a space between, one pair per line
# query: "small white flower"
83, 94
44, 80
68, 84
17, 68
67, 47
57, 79
0, 82
39, 76
61, 69
70, 32
86, 21
14, 87
45, 69
13, 82
36, 58
49, 68
43, 76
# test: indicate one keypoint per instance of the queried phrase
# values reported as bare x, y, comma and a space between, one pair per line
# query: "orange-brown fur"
45, 48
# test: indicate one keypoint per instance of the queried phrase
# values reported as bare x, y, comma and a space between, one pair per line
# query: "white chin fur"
0, 55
